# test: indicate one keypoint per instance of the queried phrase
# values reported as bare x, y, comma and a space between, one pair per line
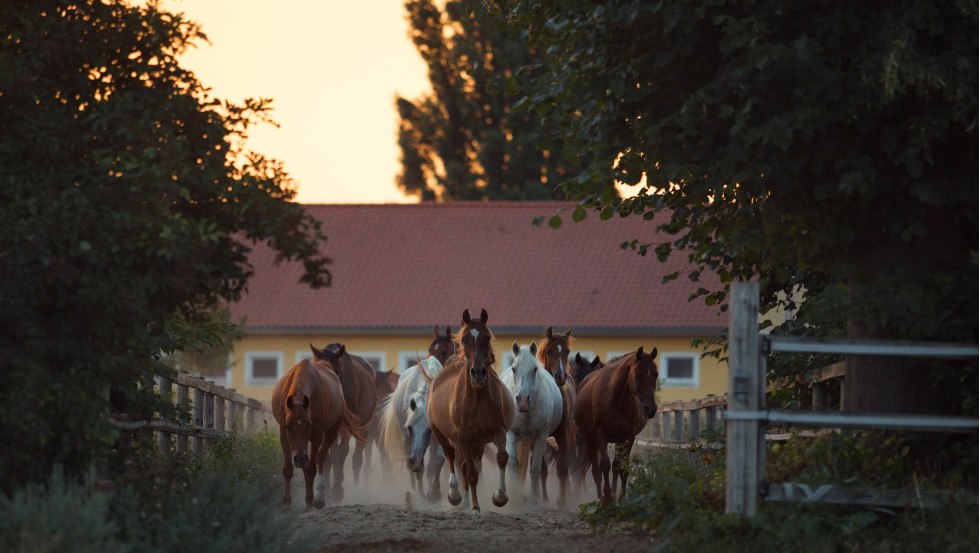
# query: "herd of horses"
540, 411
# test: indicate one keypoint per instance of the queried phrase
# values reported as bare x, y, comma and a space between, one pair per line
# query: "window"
679, 370
408, 359
374, 358
263, 368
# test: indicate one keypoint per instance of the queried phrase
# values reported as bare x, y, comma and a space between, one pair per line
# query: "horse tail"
391, 436
523, 452
351, 425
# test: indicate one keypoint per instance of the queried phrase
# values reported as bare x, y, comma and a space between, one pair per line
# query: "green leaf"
579, 214
555, 222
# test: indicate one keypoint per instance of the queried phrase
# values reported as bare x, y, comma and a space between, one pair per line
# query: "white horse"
405, 432
539, 412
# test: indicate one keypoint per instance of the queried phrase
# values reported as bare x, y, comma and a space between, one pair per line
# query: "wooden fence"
679, 423
215, 412
746, 416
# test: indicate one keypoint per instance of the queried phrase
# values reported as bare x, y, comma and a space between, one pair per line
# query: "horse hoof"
284, 509
433, 497
475, 510
319, 503
501, 501
455, 500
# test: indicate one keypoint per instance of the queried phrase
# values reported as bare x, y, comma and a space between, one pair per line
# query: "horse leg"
500, 498
357, 460
534, 466
512, 468
604, 466
368, 453
287, 471
561, 464
436, 460
470, 473
544, 474
455, 498
338, 456
592, 451
622, 462
311, 468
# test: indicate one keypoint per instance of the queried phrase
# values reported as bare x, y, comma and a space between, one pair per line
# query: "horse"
468, 407
357, 381
582, 368
384, 385
614, 405
553, 354
405, 432
309, 406
539, 412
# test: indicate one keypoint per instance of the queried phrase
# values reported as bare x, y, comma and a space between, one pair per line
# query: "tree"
465, 140
127, 209
828, 149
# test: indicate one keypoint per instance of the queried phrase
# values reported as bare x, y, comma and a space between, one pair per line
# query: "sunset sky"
333, 69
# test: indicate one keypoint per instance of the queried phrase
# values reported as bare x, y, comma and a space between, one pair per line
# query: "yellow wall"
712, 375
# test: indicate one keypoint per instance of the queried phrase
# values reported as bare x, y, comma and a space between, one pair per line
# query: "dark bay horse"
582, 368
553, 354
309, 406
613, 406
468, 407
357, 379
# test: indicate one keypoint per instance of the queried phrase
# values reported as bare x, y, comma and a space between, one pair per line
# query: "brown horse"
582, 368
553, 354
357, 380
309, 406
614, 405
443, 346
468, 407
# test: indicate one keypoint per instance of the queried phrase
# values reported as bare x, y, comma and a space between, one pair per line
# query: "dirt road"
382, 516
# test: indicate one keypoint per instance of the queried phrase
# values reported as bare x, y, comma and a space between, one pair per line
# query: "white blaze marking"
475, 333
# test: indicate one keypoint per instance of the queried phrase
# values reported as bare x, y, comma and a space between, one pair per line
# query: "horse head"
643, 380
554, 354
582, 368
298, 426
475, 339
443, 346
330, 355
416, 420
525, 370
385, 382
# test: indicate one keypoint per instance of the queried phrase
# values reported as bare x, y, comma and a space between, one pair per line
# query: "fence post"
696, 424
744, 437
679, 426
710, 418
819, 396
181, 403
199, 401
219, 412
165, 386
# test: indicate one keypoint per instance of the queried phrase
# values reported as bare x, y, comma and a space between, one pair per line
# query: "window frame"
668, 382
251, 356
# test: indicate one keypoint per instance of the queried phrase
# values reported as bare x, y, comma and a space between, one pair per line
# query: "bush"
680, 496
224, 500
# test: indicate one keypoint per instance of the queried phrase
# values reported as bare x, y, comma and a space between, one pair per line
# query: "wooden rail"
679, 423
215, 412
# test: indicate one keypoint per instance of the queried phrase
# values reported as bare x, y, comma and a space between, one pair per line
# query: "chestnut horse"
468, 407
384, 385
613, 406
582, 368
553, 354
357, 380
309, 406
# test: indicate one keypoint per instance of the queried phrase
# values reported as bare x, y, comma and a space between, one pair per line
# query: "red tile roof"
402, 268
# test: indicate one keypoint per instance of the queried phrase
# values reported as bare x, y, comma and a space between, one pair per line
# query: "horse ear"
578, 358
515, 348
548, 333
437, 331
639, 353
595, 362
317, 354
341, 351
653, 354
306, 402
289, 402
534, 348
449, 333
484, 316
568, 333
466, 317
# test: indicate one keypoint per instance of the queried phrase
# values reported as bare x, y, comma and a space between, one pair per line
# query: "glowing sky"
333, 69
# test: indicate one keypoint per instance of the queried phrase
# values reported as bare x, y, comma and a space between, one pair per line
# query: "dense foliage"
226, 500
465, 140
827, 149
128, 206
679, 496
